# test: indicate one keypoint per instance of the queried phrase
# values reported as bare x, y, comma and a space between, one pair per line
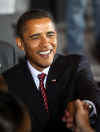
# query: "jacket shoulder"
70, 59
15, 70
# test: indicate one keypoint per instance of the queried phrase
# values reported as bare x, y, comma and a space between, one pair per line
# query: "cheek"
54, 42
31, 46
55, 45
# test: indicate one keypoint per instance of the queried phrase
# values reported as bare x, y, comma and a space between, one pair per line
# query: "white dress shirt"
35, 73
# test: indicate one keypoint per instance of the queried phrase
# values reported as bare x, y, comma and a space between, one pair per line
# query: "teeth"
45, 52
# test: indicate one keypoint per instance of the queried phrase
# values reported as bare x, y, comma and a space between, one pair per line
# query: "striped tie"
43, 90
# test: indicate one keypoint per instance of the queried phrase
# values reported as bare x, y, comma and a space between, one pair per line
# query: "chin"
45, 65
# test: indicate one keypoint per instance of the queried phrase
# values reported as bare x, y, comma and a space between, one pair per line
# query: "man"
14, 116
7, 56
66, 78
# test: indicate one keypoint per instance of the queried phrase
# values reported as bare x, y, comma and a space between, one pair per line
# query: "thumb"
78, 105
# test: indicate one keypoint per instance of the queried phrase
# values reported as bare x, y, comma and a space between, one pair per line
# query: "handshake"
78, 115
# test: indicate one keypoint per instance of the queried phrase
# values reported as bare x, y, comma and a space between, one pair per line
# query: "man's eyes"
51, 34
38, 36
34, 37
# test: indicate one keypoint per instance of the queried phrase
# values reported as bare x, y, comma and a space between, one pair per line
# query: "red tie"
43, 90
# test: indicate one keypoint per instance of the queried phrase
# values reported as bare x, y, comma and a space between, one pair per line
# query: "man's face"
40, 42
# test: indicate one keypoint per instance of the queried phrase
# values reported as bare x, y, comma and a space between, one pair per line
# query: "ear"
19, 43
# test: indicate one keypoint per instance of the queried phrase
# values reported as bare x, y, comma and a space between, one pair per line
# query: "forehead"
37, 25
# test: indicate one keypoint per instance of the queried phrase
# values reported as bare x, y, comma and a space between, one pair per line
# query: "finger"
66, 116
69, 123
79, 105
86, 106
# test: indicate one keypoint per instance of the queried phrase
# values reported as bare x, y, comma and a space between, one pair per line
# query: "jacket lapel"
51, 87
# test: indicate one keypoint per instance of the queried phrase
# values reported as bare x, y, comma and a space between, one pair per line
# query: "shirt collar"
35, 72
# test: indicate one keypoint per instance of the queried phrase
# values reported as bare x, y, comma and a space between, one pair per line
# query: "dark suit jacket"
98, 124
69, 78
7, 56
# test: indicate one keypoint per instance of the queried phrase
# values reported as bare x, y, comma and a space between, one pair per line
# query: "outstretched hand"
76, 117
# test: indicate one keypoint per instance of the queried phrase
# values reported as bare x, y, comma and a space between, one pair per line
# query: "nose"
44, 40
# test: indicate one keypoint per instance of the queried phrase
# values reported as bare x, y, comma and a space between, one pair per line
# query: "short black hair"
28, 15
12, 112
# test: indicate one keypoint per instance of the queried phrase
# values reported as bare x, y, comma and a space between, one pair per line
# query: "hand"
81, 115
68, 117
76, 117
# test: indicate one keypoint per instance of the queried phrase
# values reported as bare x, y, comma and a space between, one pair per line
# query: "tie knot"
41, 76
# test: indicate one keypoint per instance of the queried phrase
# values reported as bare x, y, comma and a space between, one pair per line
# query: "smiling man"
44, 81
39, 42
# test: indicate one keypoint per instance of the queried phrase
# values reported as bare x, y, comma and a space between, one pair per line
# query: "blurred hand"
76, 117
68, 117
81, 115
